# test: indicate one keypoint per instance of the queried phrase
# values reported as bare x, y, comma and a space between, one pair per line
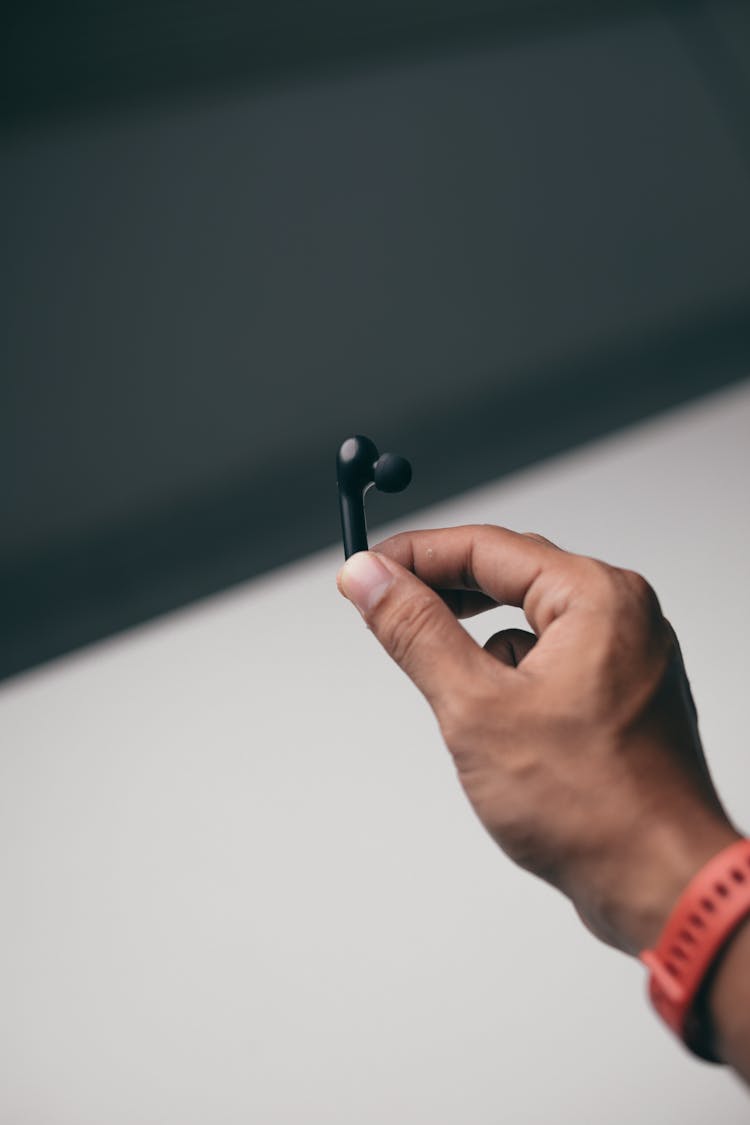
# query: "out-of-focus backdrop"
509, 240
218, 905
232, 234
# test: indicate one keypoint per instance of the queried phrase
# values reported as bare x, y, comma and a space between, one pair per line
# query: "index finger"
509, 568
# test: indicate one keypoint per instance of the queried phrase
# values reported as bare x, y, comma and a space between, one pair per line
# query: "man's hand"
576, 744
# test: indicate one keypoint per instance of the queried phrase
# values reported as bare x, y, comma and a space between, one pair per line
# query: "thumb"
416, 628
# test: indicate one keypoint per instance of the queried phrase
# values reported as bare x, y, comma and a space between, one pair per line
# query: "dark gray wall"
480, 255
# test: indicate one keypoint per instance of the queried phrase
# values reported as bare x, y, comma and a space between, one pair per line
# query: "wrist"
723, 1004
651, 873
675, 855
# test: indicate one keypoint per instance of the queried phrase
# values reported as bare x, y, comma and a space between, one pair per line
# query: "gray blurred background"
234, 234
511, 241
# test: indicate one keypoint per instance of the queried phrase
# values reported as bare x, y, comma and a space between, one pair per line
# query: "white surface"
219, 906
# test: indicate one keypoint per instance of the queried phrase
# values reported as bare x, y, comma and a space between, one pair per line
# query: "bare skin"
577, 744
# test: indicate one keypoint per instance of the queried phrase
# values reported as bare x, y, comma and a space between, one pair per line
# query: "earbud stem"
353, 523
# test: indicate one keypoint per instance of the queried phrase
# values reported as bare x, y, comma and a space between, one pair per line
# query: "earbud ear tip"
392, 473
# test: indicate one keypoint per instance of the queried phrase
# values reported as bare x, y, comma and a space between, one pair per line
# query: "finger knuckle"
641, 592
598, 576
635, 601
617, 591
536, 537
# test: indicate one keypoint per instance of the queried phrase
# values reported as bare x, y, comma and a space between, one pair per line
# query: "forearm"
727, 1003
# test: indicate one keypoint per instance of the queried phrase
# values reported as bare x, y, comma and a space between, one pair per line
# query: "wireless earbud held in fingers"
359, 466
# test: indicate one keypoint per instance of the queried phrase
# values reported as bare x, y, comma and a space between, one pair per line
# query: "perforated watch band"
710, 908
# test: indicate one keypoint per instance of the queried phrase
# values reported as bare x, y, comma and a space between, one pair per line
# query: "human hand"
577, 744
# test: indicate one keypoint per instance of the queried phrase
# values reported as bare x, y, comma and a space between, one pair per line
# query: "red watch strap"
710, 908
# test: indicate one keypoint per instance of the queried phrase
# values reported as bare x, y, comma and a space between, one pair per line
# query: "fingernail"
364, 579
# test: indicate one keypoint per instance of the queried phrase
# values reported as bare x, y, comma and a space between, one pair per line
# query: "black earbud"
359, 466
